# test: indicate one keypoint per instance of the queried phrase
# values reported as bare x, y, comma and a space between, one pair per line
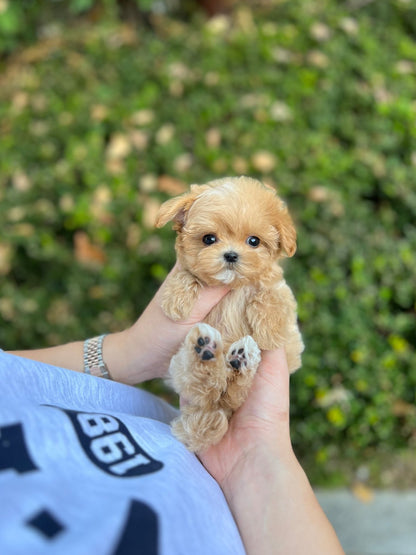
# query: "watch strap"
93, 357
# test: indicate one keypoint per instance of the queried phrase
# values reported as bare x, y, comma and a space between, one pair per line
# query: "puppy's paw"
205, 341
177, 308
179, 294
244, 355
243, 358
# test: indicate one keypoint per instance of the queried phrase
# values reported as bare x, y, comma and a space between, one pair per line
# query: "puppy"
229, 231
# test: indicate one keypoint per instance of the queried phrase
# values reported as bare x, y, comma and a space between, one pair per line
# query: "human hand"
259, 429
143, 351
138, 353
266, 489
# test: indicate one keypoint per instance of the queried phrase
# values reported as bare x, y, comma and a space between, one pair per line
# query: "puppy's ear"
287, 231
177, 208
174, 209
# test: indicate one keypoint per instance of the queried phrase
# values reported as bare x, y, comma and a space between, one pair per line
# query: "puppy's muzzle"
231, 257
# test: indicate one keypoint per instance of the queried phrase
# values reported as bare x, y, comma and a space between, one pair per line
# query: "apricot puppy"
229, 231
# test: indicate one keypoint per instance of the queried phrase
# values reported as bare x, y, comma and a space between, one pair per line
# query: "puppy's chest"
229, 315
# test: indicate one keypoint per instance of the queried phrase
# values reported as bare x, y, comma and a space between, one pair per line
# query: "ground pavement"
381, 523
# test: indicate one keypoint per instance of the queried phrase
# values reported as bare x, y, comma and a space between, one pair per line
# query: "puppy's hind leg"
198, 370
199, 375
243, 358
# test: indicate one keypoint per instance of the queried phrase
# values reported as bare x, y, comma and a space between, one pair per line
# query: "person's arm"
141, 352
268, 493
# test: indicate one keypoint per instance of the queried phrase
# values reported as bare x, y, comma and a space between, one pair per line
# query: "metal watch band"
93, 357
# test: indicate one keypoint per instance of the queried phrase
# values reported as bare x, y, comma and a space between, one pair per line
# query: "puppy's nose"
231, 256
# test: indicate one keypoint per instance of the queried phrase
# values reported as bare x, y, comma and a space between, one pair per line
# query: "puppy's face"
230, 230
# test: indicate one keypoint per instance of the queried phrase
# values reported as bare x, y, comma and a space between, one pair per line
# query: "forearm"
141, 352
277, 512
68, 356
119, 354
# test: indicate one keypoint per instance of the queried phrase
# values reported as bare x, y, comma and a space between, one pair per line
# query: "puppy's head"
229, 230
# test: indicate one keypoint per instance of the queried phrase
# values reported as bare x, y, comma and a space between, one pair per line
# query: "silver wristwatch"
93, 357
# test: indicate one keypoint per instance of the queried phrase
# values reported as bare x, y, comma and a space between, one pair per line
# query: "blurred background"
109, 107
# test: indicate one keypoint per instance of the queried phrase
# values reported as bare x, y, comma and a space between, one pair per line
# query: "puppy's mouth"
229, 273
226, 276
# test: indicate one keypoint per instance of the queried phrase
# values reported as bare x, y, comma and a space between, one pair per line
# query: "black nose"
231, 256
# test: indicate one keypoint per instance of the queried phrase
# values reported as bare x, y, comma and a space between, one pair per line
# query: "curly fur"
259, 312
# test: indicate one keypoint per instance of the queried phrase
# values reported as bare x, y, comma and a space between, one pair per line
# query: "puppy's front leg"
272, 314
179, 294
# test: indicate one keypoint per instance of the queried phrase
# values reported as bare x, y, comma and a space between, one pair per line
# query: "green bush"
100, 123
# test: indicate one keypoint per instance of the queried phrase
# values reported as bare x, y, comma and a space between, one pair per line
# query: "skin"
267, 491
138, 353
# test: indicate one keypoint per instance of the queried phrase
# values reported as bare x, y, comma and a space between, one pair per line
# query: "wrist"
119, 356
132, 357
268, 465
261, 493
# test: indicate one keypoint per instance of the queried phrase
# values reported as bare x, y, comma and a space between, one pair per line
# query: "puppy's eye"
253, 241
209, 239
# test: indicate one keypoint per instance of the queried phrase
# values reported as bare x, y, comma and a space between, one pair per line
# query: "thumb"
268, 400
272, 380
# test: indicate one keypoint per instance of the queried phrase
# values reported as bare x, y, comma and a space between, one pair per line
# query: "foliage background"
104, 113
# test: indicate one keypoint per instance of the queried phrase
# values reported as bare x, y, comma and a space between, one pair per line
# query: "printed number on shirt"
109, 445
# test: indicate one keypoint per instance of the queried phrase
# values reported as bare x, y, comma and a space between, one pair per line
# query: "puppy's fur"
230, 231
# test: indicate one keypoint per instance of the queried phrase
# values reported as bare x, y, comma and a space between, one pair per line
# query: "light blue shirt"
89, 466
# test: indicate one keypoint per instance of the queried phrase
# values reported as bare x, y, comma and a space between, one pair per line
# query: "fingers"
208, 297
154, 338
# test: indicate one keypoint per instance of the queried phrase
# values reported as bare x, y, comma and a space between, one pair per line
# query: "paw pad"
244, 355
205, 347
238, 358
